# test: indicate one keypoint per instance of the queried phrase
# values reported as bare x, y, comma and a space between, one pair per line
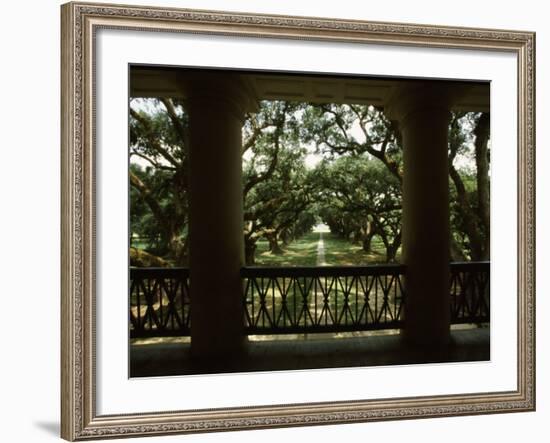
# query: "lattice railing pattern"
159, 302
322, 299
470, 292
304, 299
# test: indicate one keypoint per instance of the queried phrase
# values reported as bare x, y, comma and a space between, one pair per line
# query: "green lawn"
341, 252
338, 252
302, 252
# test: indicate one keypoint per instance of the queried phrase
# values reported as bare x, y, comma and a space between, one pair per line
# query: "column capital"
410, 97
233, 89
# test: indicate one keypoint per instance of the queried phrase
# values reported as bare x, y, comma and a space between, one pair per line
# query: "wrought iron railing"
159, 302
470, 294
282, 300
323, 299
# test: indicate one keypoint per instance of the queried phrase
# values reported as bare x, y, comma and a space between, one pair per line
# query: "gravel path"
321, 251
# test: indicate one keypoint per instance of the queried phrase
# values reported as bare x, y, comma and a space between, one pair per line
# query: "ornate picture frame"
80, 23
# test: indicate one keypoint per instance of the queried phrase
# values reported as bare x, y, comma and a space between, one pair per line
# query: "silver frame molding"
79, 21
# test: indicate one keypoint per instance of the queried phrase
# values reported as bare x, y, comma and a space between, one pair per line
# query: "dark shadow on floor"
50, 427
174, 358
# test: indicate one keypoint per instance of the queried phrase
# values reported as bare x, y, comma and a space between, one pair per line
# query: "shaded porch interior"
218, 340
150, 359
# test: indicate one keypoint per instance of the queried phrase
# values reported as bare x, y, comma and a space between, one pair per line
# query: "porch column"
422, 112
216, 104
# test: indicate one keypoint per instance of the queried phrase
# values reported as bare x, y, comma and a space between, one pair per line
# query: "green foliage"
158, 177
355, 188
360, 198
353, 130
469, 176
276, 183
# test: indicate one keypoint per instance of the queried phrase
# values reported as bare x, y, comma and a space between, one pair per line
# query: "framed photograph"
284, 221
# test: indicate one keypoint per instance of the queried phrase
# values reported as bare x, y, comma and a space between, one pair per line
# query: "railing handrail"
471, 265
283, 271
312, 271
321, 271
159, 272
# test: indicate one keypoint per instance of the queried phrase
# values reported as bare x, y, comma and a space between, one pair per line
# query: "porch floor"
165, 359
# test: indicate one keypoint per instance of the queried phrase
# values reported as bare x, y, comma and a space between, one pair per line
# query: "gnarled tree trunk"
250, 251
482, 162
274, 247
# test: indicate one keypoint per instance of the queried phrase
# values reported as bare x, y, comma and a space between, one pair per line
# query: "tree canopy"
303, 164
